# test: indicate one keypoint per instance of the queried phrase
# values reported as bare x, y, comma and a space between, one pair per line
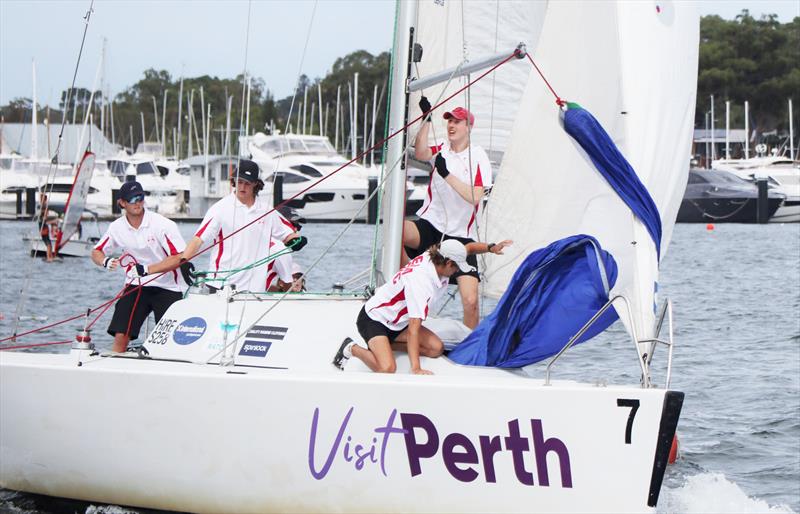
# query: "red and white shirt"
156, 239
443, 207
408, 295
279, 267
246, 246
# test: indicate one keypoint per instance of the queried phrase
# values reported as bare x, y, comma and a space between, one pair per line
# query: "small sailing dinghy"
232, 404
69, 238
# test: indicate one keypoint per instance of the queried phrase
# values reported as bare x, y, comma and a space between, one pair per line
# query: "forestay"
632, 66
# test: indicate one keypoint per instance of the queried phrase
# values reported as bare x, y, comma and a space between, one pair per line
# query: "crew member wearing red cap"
243, 208
154, 244
451, 205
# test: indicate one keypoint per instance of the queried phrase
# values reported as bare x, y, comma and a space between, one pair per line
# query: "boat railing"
644, 360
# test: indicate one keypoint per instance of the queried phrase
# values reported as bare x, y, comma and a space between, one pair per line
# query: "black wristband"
105, 262
489, 247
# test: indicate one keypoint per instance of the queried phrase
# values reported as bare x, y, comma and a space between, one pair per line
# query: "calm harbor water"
736, 294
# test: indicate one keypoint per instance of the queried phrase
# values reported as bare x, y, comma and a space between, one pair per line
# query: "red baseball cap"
460, 113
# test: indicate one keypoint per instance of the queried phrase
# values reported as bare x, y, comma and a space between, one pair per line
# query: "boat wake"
712, 492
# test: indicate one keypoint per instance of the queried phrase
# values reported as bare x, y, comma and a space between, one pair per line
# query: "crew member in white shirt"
152, 244
393, 317
450, 207
242, 208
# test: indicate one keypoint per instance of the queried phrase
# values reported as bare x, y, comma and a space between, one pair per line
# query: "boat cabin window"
288, 178
318, 146
146, 168
307, 170
116, 168
61, 188
162, 170
272, 146
696, 178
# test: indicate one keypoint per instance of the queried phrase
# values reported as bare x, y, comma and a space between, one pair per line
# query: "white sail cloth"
452, 31
633, 66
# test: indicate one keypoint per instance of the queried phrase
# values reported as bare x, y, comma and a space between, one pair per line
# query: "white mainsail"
452, 31
633, 66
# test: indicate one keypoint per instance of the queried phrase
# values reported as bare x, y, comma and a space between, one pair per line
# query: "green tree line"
757, 60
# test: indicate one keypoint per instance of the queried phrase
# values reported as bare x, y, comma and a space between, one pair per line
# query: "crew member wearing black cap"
242, 208
152, 245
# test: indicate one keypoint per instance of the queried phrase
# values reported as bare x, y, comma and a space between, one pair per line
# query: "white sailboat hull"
294, 434
72, 248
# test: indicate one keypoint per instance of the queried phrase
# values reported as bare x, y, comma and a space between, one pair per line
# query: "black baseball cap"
129, 190
247, 170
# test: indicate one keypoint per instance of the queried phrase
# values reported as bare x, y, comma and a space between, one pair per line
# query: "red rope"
559, 101
314, 184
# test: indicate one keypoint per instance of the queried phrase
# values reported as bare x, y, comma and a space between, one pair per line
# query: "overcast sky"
192, 38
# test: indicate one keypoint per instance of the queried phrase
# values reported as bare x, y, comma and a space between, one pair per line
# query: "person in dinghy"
392, 318
149, 244
460, 172
243, 214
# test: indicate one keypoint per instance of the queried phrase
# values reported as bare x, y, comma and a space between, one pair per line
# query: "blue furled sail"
552, 294
558, 289
609, 161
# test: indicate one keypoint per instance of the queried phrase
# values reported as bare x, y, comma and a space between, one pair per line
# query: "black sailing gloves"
297, 243
187, 272
425, 107
441, 166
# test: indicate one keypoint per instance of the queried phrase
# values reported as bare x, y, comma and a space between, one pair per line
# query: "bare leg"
468, 289
410, 239
429, 343
379, 358
120, 342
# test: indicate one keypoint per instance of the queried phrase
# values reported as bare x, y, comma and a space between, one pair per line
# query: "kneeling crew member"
393, 317
155, 244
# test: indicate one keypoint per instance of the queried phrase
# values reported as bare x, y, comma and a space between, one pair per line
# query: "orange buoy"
710, 226
673, 450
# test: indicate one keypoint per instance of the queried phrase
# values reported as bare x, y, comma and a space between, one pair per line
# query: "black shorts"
369, 328
46, 239
152, 299
429, 236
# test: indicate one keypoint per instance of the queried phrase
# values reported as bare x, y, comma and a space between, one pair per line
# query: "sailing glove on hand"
187, 272
441, 166
297, 243
425, 107
110, 263
139, 270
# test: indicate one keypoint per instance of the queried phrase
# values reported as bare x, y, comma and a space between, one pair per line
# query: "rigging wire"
51, 171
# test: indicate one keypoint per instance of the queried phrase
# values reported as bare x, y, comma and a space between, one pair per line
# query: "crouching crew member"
231, 214
393, 317
154, 245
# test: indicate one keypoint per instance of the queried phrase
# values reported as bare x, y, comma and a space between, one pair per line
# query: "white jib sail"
548, 189
76, 202
451, 31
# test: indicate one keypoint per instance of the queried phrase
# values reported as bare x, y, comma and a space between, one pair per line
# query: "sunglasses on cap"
136, 199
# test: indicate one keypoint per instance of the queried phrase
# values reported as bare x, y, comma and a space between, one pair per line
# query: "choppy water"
736, 294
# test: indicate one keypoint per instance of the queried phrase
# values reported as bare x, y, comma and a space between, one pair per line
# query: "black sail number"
634, 406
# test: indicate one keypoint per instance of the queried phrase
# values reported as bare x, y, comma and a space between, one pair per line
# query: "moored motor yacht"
722, 197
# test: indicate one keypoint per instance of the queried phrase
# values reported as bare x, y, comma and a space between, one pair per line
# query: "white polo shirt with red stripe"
246, 246
408, 295
154, 240
443, 207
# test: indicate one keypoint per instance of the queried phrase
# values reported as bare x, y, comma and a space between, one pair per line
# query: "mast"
713, 140
338, 109
180, 116
354, 128
372, 130
791, 132
34, 118
305, 104
746, 129
394, 195
141, 118
155, 119
727, 129
164, 124
319, 102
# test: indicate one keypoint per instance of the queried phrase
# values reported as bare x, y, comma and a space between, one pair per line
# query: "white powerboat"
166, 189
301, 160
782, 174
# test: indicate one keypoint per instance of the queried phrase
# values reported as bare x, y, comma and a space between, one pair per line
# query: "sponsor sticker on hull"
255, 348
189, 330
